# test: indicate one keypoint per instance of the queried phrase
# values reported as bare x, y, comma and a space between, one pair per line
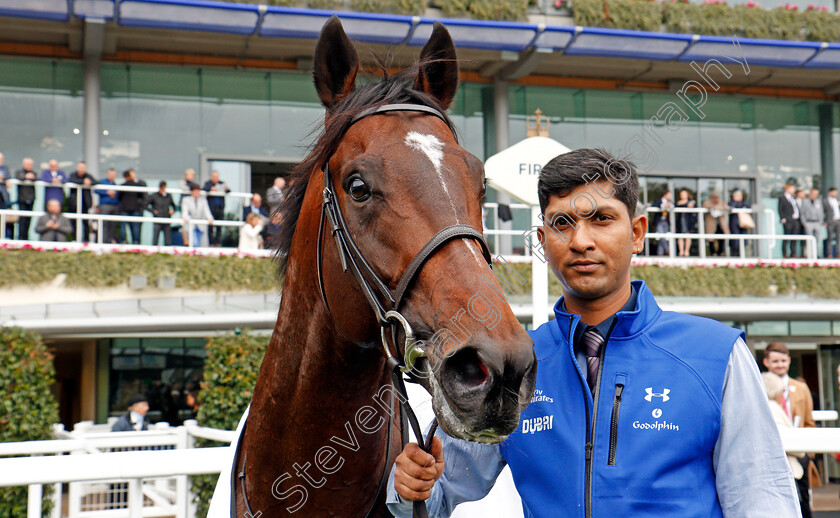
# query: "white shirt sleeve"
753, 477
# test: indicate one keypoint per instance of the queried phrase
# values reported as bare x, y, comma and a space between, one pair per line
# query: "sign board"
515, 170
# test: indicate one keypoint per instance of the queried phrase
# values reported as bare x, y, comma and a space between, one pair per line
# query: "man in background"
789, 216
798, 406
56, 178
274, 194
81, 177
832, 223
813, 216
131, 204
26, 194
109, 205
5, 197
216, 190
662, 221
54, 226
135, 419
160, 204
192, 208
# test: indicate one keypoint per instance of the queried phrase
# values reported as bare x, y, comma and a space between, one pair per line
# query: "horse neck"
311, 385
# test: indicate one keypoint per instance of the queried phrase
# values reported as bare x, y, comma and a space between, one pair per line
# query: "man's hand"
417, 471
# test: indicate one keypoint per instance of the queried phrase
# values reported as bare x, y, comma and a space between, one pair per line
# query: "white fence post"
135, 498
33, 504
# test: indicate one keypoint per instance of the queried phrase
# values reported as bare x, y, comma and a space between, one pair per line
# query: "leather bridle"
385, 302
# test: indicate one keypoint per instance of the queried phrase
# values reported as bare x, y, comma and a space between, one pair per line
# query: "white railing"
113, 475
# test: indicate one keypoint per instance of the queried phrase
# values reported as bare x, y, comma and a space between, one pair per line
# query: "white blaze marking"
428, 145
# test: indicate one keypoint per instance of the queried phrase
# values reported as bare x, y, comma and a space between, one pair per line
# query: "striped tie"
591, 343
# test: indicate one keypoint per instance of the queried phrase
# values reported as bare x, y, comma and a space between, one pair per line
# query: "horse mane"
392, 89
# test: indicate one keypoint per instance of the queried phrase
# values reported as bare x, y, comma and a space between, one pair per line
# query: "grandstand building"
165, 85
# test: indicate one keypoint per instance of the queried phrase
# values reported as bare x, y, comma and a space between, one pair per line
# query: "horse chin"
454, 426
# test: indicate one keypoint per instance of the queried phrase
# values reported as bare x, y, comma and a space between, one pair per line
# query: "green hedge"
89, 270
230, 374
714, 19
27, 406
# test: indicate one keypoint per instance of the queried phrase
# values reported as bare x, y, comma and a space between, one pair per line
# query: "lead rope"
420, 510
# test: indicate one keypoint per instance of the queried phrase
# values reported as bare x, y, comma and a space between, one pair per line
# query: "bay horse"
386, 183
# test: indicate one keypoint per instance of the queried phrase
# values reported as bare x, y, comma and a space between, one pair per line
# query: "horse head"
398, 178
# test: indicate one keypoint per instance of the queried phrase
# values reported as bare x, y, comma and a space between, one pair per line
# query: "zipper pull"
618, 391
588, 451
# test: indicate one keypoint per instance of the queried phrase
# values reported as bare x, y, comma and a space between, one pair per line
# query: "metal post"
94, 35
501, 116
79, 195
135, 498
701, 220
33, 504
539, 277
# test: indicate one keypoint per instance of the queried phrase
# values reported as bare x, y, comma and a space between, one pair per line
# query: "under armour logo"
651, 394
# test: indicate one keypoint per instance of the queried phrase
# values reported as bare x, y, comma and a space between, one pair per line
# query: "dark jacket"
65, 228
131, 201
247, 210
160, 204
214, 201
26, 193
733, 216
125, 424
87, 197
785, 208
828, 211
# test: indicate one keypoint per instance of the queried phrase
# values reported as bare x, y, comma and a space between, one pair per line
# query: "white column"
501, 114
539, 276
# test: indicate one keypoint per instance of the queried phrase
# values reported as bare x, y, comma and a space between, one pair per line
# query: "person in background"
131, 204
789, 216
249, 233
255, 206
274, 194
109, 205
54, 226
662, 221
185, 184
195, 207
26, 194
775, 398
81, 177
797, 404
716, 222
56, 178
5, 197
812, 217
831, 220
135, 419
161, 205
216, 201
686, 222
737, 202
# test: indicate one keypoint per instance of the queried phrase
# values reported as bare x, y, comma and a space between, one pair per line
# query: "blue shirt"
104, 199
752, 477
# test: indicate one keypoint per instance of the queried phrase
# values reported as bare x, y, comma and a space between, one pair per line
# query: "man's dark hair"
162, 184
776, 347
126, 173
832, 188
570, 170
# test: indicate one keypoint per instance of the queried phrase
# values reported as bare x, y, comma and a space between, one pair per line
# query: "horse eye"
358, 189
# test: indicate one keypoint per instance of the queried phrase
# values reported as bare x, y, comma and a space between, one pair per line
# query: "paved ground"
827, 501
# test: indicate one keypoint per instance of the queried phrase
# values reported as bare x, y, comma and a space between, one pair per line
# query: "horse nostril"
467, 368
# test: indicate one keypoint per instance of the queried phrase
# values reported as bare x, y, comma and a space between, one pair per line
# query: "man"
135, 419
274, 194
216, 190
56, 178
86, 181
737, 202
812, 216
798, 406
185, 185
716, 222
789, 215
196, 207
832, 223
54, 226
131, 204
255, 206
661, 221
160, 204
26, 194
109, 205
5, 197
641, 412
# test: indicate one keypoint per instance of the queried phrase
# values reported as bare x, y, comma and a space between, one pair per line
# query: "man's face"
800, 195
189, 175
195, 193
667, 195
1, 158
214, 177
592, 257
777, 363
162, 189
833, 194
28, 164
737, 196
279, 182
112, 174
132, 175
814, 194
53, 207
81, 168
53, 165
141, 408
257, 200
790, 189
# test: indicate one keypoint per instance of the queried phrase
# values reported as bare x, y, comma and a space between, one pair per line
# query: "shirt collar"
605, 327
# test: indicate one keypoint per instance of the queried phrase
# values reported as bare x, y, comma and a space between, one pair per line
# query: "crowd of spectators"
719, 217
806, 213
205, 204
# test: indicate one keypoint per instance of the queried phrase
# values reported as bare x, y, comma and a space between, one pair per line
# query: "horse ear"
438, 74
335, 64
